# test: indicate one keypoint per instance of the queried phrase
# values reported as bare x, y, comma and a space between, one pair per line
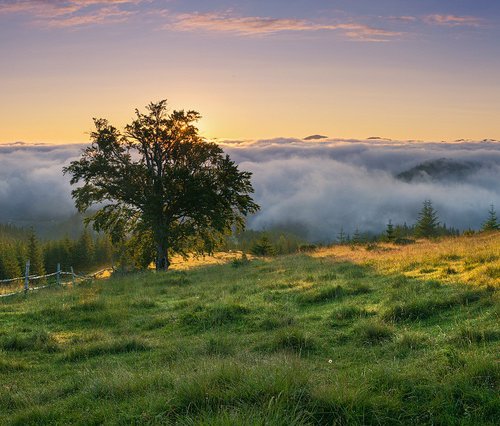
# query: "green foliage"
342, 238
241, 261
263, 247
491, 224
158, 175
9, 263
87, 253
390, 233
284, 241
305, 248
356, 237
427, 223
139, 251
83, 252
59, 252
35, 255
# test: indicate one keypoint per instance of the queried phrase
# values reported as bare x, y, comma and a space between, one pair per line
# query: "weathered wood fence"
57, 278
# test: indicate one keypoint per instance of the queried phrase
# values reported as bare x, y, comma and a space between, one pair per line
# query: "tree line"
269, 243
84, 254
91, 251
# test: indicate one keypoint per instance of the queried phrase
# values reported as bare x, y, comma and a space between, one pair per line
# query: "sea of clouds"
322, 185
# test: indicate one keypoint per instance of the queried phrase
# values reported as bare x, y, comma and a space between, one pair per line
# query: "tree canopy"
161, 184
491, 224
427, 223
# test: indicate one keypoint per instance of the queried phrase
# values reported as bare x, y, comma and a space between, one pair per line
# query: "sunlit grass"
468, 259
340, 336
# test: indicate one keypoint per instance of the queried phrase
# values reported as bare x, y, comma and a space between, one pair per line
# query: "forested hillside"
18, 245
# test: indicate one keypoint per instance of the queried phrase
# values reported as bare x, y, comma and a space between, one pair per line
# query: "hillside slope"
339, 336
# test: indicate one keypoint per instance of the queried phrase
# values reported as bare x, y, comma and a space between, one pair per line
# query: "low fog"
321, 184
32, 186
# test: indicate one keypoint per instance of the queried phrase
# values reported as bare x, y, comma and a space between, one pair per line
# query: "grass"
336, 336
473, 260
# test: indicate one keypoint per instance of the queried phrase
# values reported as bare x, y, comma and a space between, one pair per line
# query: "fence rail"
27, 278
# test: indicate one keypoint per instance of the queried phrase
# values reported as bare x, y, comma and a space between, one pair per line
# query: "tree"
389, 232
103, 253
341, 237
35, 255
83, 251
427, 223
9, 266
491, 223
356, 237
263, 247
160, 179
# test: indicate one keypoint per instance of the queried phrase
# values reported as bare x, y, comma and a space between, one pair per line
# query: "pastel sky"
403, 69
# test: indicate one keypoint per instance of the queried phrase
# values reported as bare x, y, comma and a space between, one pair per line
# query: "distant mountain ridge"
442, 169
315, 137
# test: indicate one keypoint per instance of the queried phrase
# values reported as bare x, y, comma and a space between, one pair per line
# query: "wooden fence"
57, 278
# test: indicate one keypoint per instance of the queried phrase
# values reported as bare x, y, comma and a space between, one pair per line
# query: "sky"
402, 69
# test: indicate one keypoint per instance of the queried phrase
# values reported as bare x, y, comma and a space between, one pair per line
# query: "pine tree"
263, 247
356, 237
35, 255
341, 236
427, 223
83, 254
103, 251
389, 232
491, 223
9, 266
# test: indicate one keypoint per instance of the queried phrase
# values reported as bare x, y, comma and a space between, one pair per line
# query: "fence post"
58, 275
27, 277
72, 276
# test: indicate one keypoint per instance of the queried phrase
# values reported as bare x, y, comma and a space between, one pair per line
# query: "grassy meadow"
372, 335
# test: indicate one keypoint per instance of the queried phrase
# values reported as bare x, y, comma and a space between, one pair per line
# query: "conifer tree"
103, 250
263, 247
389, 232
83, 255
341, 237
491, 223
356, 237
35, 255
9, 266
427, 223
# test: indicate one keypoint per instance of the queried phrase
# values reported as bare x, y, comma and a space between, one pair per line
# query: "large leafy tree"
161, 184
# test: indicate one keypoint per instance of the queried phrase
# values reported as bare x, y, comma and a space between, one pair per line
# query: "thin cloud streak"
445, 20
78, 13
262, 26
453, 20
72, 13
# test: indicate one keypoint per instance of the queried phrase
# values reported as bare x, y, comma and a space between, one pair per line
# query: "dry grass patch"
471, 260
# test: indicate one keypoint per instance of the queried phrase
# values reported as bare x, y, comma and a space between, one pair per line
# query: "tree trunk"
160, 233
162, 261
